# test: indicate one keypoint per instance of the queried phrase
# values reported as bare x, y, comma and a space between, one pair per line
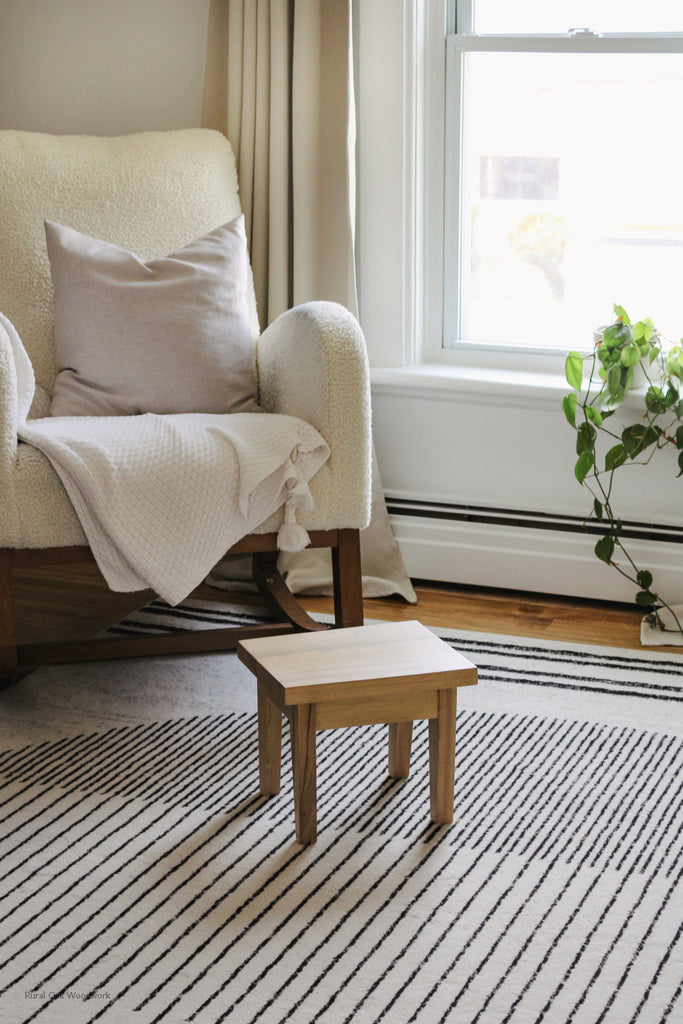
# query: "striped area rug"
144, 880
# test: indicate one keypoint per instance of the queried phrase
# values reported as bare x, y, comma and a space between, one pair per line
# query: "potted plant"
629, 360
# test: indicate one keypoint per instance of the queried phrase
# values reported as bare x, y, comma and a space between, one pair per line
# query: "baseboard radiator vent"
518, 518
515, 549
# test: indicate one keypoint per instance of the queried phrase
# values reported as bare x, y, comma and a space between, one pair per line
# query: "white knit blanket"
162, 498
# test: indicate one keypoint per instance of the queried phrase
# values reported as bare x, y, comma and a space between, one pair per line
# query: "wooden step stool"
363, 675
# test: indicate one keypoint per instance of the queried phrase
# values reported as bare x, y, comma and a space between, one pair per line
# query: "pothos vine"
624, 353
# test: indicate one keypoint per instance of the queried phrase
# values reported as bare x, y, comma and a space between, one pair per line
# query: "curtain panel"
279, 84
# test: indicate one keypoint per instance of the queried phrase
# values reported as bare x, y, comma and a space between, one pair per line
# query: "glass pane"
572, 197
530, 16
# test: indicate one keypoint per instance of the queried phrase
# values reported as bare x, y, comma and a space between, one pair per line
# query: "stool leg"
302, 729
269, 743
442, 758
400, 742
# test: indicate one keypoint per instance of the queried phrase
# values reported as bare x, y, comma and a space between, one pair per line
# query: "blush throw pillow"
167, 335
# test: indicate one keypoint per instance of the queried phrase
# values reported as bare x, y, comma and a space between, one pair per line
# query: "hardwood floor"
72, 602
512, 613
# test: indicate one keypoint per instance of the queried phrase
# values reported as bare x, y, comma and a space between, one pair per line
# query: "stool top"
309, 668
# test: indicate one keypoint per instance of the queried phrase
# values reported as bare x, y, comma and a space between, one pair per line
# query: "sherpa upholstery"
152, 193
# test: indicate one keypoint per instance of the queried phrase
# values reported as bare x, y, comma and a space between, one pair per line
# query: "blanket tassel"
291, 535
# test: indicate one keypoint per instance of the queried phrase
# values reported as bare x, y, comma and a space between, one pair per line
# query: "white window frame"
435, 344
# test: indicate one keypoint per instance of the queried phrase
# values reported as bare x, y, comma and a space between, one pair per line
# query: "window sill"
434, 382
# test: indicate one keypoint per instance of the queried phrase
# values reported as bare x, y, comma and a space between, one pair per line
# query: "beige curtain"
279, 83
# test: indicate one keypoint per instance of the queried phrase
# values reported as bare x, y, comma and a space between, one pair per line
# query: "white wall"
492, 440
101, 66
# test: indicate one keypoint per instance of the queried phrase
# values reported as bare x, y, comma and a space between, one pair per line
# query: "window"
563, 185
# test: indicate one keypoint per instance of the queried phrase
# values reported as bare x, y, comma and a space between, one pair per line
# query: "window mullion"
464, 16
453, 251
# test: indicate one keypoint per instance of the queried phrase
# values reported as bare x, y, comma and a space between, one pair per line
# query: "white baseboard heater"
527, 550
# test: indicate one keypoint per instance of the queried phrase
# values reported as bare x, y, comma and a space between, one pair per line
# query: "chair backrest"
151, 192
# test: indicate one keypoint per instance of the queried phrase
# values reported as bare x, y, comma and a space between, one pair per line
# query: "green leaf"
583, 466
643, 331
617, 334
674, 367
573, 369
639, 437
569, 403
679, 437
644, 579
593, 415
585, 438
631, 443
680, 464
604, 549
672, 396
614, 381
630, 355
655, 400
605, 354
645, 598
597, 508
615, 457
621, 313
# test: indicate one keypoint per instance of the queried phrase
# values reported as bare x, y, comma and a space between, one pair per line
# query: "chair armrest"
8, 404
312, 363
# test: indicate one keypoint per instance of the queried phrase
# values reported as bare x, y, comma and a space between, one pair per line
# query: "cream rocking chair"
154, 193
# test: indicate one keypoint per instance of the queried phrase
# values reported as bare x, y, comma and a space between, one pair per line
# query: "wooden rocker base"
283, 605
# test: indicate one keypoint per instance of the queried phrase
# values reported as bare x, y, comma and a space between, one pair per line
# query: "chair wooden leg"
8, 626
269, 743
400, 743
347, 579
